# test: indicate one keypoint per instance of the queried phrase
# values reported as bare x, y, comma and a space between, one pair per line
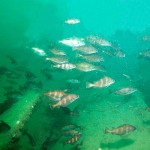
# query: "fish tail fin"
106, 130
56, 66
53, 66
100, 68
45, 94
78, 55
88, 85
52, 106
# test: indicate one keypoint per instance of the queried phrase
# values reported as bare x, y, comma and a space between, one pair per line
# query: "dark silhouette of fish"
29, 75
3, 70
49, 141
31, 139
67, 111
4, 127
12, 82
33, 85
13, 94
78, 146
12, 60
13, 75
70, 133
70, 127
47, 74
8, 88
14, 139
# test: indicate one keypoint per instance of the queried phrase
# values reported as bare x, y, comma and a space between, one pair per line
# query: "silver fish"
119, 54
39, 51
73, 42
92, 58
86, 49
57, 51
66, 66
72, 21
125, 91
59, 60
98, 41
145, 53
103, 82
87, 67
114, 52
146, 38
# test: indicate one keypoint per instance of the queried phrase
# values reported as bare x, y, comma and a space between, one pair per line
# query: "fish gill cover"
72, 71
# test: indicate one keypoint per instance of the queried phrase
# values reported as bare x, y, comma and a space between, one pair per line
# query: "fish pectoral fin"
51, 106
106, 130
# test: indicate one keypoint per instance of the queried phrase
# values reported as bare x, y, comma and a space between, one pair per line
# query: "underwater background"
26, 120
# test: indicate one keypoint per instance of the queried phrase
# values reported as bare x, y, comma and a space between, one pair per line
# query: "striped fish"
125, 91
57, 51
66, 66
59, 60
146, 38
86, 49
91, 58
73, 42
66, 100
73, 139
145, 54
121, 130
87, 67
55, 95
98, 41
103, 82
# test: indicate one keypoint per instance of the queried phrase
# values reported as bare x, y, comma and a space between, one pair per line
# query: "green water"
35, 23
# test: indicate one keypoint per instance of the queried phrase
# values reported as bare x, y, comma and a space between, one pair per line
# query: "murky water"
68, 47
